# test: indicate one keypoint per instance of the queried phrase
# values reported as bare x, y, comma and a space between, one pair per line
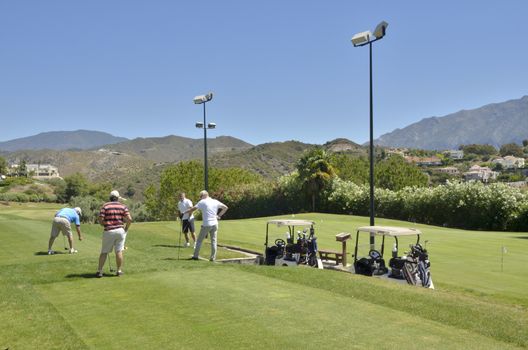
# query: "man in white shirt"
187, 219
210, 216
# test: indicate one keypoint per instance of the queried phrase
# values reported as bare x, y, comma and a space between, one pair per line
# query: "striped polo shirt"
113, 214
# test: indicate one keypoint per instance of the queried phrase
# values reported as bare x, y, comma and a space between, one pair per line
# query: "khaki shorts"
113, 239
61, 224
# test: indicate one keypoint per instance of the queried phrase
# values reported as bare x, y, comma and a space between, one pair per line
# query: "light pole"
202, 99
362, 39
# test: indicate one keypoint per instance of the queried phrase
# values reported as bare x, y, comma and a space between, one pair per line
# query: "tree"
395, 173
481, 150
22, 168
525, 143
511, 149
75, 185
315, 171
188, 177
3, 166
350, 168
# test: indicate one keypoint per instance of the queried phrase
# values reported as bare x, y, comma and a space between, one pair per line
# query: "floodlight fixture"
203, 98
379, 32
361, 39
199, 125
211, 125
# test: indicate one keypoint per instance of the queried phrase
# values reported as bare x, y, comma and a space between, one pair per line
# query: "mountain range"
494, 124
61, 140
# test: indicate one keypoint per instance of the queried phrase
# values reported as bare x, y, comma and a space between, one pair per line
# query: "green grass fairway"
164, 303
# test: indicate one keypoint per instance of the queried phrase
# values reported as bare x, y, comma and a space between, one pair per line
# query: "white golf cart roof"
291, 222
390, 231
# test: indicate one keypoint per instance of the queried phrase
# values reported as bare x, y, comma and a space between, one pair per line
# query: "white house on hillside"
478, 173
509, 162
455, 154
43, 171
424, 161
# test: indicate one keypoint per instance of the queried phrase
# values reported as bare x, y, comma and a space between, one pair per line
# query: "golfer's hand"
218, 217
80, 238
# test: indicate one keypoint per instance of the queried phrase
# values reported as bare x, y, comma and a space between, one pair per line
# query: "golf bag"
374, 264
416, 268
396, 268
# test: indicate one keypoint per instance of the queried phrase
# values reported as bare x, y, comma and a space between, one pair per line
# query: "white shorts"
113, 239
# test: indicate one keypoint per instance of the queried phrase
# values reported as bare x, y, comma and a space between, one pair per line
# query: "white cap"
115, 193
78, 210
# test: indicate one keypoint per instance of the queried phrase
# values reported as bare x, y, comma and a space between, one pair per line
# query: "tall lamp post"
203, 99
362, 39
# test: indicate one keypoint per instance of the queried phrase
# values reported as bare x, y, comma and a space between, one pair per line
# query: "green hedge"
24, 197
468, 205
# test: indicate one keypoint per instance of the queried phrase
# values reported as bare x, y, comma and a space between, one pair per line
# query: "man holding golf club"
116, 219
62, 223
210, 216
187, 219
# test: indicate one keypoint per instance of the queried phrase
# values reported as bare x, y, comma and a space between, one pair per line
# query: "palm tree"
315, 172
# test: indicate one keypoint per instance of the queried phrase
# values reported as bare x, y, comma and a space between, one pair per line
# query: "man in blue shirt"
62, 223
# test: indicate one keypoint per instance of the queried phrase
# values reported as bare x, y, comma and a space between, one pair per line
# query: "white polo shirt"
209, 208
183, 206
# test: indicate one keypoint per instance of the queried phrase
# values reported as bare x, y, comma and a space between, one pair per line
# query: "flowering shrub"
470, 205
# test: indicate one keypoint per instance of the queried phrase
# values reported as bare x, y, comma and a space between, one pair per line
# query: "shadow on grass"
168, 246
182, 258
520, 237
57, 252
88, 275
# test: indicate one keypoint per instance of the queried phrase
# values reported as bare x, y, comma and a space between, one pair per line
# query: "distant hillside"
279, 158
176, 148
495, 124
61, 140
269, 159
139, 163
344, 145
96, 165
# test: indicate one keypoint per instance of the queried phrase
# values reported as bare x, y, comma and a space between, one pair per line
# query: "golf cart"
412, 267
296, 248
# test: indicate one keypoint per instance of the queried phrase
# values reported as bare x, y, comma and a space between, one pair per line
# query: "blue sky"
279, 70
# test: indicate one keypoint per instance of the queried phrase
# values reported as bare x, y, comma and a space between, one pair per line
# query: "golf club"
64, 242
109, 262
179, 239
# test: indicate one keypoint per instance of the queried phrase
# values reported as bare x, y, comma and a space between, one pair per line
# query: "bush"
468, 205
139, 212
90, 207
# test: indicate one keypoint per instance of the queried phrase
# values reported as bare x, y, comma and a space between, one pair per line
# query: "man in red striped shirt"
116, 220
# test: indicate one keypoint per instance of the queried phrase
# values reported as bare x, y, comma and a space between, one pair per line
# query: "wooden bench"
338, 257
330, 255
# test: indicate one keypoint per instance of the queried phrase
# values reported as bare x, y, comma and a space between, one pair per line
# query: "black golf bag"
416, 268
371, 265
396, 268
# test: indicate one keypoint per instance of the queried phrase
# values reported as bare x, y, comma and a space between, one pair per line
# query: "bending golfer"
187, 219
210, 215
62, 223
113, 216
